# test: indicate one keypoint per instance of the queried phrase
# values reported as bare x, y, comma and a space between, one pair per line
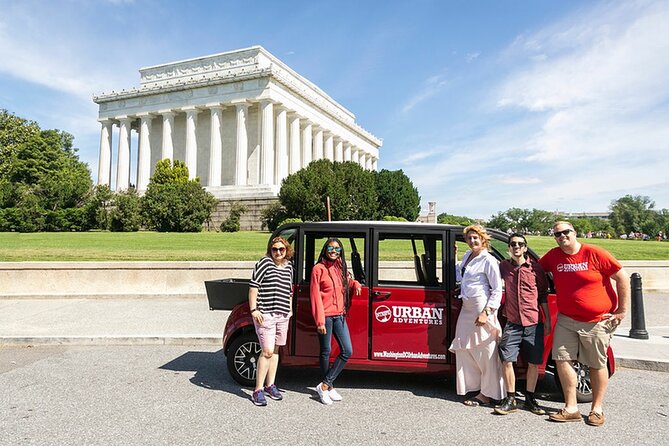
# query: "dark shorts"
528, 340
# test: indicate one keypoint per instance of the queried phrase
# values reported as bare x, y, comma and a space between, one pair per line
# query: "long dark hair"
344, 269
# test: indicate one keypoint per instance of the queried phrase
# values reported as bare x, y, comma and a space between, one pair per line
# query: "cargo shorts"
586, 342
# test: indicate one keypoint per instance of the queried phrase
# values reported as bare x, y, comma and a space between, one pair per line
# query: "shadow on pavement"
210, 372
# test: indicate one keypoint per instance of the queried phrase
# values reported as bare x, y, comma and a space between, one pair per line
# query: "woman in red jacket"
330, 298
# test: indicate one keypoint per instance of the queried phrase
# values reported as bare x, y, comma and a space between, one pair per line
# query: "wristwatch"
488, 311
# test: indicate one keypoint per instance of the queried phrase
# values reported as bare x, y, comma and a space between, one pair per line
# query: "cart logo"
383, 313
572, 267
400, 314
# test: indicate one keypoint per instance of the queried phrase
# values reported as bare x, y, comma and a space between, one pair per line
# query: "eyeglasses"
332, 248
517, 244
278, 249
557, 234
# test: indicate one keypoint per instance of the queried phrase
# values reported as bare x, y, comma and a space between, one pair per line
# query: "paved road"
156, 395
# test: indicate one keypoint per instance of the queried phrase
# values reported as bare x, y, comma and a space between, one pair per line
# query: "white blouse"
480, 278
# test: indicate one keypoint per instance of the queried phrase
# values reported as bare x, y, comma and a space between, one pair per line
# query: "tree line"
45, 187
630, 214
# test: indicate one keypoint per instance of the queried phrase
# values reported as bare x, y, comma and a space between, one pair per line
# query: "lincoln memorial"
241, 121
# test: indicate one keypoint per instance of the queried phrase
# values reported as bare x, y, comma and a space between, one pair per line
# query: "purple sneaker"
273, 392
258, 398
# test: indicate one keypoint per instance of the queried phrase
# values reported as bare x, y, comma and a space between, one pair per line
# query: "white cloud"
58, 52
431, 87
420, 155
506, 179
471, 57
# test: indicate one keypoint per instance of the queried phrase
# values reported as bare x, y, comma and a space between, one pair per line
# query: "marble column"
368, 162
168, 125
191, 141
294, 144
242, 146
329, 147
216, 147
318, 144
267, 143
104, 160
281, 144
339, 150
307, 141
363, 159
144, 152
347, 152
355, 155
375, 166
123, 164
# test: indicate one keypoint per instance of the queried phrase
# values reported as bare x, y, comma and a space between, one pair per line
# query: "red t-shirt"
583, 281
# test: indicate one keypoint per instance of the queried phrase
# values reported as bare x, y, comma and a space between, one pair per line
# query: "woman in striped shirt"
270, 301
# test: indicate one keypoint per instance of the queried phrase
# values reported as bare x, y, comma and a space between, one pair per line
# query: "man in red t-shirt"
589, 310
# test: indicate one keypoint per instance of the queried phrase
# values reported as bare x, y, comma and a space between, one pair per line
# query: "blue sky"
485, 105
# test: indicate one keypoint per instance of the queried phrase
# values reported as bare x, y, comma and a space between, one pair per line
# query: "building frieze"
180, 78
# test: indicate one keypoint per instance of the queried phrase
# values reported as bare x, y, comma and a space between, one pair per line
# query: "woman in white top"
478, 367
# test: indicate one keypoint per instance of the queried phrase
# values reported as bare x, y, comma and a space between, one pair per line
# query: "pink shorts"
273, 331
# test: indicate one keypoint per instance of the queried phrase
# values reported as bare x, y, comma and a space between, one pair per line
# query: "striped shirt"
274, 286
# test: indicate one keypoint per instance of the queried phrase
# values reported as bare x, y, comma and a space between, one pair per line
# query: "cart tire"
242, 359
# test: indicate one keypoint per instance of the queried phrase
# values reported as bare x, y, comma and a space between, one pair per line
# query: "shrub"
98, 206
182, 207
272, 215
125, 215
68, 219
391, 218
290, 220
231, 224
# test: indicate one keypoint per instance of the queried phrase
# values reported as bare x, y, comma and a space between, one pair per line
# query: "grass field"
245, 245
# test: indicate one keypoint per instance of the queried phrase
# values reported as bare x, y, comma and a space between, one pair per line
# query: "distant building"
431, 216
598, 215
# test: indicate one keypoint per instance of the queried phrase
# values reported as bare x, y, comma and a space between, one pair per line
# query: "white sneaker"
334, 395
324, 395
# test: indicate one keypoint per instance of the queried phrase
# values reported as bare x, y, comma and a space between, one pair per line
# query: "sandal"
475, 402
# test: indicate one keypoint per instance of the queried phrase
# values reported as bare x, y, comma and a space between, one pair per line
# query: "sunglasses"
517, 244
332, 248
557, 234
278, 249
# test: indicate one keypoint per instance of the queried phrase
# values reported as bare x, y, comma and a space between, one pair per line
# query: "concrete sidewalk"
188, 321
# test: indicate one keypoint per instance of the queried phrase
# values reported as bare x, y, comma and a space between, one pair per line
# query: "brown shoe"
562, 416
595, 419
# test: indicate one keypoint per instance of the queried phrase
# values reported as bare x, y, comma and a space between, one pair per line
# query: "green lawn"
245, 245
621, 249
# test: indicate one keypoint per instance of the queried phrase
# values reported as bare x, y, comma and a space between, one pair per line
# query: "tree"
173, 203
522, 220
448, 219
633, 213
351, 189
43, 185
42, 161
397, 195
500, 221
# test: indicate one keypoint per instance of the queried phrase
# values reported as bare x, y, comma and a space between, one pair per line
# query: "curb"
17, 341
642, 364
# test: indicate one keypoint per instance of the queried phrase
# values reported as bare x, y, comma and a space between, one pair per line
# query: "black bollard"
638, 330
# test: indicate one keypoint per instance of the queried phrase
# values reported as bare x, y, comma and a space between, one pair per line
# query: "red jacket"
327, 290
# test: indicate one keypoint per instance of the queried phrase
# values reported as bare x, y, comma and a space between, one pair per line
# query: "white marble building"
241, 121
